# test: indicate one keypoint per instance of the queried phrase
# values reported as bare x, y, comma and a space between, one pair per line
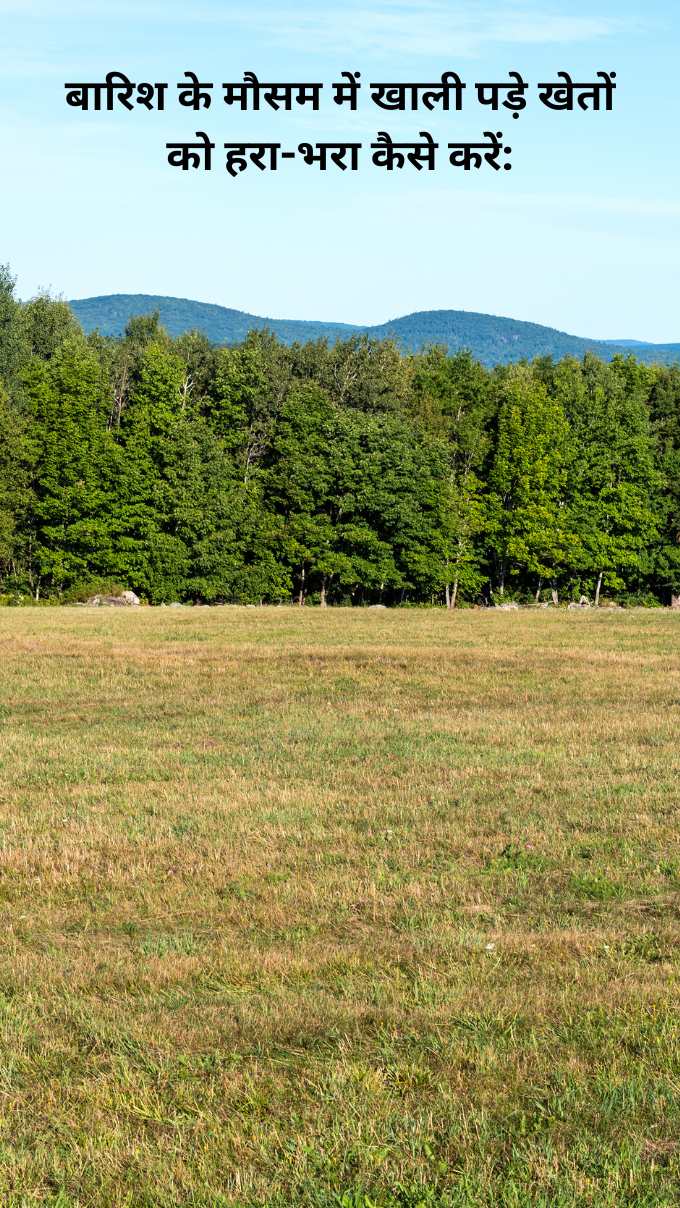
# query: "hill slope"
493, 340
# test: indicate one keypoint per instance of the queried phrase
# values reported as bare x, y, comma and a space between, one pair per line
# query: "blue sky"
581, 235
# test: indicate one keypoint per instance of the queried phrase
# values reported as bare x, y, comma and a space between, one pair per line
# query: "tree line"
345, 474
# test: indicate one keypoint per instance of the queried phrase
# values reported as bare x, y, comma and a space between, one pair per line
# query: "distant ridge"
491, 339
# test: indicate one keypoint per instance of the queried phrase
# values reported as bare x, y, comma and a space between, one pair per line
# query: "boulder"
507, 607
126, 599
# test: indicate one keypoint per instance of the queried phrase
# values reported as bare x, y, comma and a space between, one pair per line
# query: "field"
306, 907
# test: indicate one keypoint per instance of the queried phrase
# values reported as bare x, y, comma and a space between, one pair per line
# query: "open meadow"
339, 907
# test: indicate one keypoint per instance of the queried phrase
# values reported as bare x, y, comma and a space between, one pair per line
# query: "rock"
175, 604
583, 602
507, 607
675, 602
127, 599
371, 606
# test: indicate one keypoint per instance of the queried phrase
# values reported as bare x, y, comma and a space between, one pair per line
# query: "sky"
582, 234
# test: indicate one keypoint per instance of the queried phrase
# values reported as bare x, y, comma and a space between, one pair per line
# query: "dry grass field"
342, 908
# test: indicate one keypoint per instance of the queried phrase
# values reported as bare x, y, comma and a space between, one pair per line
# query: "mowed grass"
339, 908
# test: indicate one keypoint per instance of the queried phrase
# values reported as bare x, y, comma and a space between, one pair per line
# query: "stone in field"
126, 599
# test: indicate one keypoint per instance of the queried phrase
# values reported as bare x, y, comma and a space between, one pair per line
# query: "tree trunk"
448, 595
454, 597
322, 600
301, 596
555, 597
538, 590
598, 588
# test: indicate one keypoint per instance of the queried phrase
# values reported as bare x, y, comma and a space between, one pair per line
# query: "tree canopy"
330, 473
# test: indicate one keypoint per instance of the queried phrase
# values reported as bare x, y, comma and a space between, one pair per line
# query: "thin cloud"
429, 29
568, 204
584, 203
384, 27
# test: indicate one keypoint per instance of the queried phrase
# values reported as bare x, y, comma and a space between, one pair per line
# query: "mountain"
111, 314
493, 340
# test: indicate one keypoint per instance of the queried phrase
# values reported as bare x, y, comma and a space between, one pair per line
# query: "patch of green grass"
597, 888
182, 944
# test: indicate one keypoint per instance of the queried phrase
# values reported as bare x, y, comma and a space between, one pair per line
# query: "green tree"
251, 385
150, 554
664, 405
613, 479
46, 323
452, 398
15, 497
369, 375
305, 468
14, 352
526, 503
74, 467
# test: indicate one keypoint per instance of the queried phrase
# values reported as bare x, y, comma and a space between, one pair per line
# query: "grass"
341, 909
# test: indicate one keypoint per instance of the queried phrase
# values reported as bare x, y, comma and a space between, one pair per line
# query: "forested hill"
491, 340
110, 315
